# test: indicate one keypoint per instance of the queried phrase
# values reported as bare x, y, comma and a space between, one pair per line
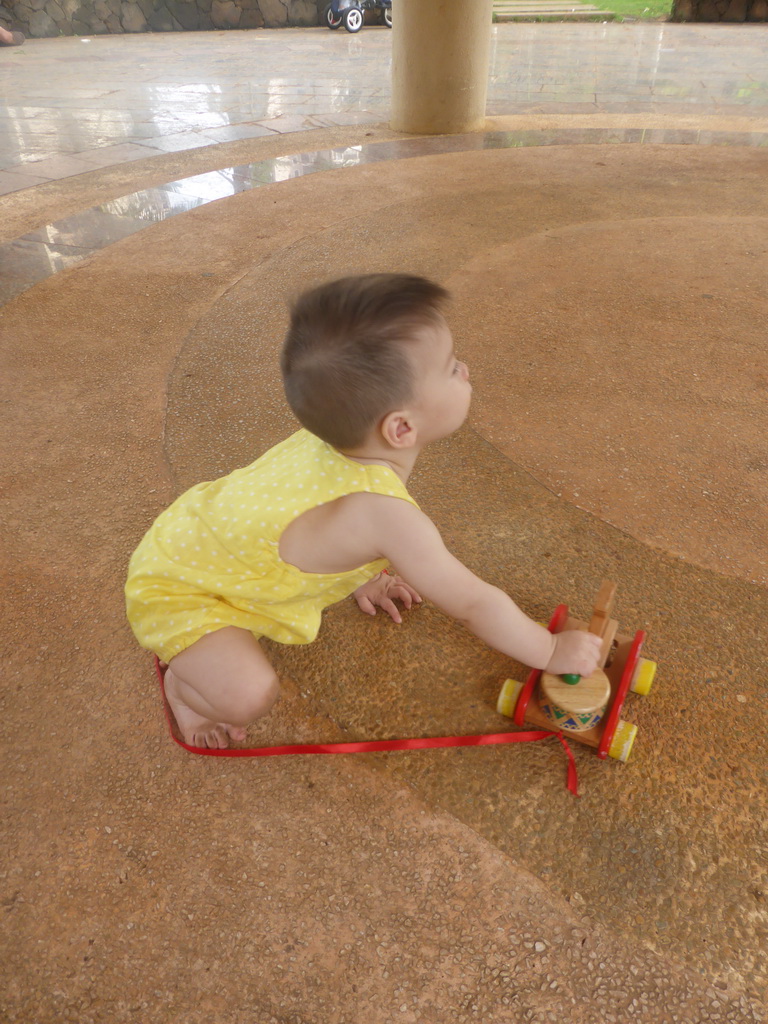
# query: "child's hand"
383, 590
575, 651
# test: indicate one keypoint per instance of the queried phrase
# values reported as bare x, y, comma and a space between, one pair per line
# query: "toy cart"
587, 710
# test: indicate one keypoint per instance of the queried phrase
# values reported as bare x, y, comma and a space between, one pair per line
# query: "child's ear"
398, 429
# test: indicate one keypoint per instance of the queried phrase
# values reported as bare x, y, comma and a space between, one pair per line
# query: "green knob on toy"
570, 678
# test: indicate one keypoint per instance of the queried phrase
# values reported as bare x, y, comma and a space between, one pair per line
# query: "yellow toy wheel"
642, 680
623, 738
507, 701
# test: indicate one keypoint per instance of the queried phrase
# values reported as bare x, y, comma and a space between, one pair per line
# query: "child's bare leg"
219, 685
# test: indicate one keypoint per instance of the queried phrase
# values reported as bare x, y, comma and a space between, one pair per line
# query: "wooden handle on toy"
599, 621
602, 610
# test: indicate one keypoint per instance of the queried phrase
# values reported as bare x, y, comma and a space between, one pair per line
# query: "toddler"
370, 372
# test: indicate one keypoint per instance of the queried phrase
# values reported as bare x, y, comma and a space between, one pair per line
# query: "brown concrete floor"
142, 883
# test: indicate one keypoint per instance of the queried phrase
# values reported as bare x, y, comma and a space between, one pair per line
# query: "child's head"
345, 360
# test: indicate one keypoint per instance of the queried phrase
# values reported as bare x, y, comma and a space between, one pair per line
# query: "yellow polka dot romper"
212, 560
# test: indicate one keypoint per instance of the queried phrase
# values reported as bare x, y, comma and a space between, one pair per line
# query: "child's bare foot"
196, 730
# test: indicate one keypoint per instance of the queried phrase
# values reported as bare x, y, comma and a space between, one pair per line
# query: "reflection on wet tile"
150, 206
177, 143
298, 164
108, 156
26, 263
738, 138
405, 149
253, 175
55, 246
12, 181
233, 132
59, 166
346, 118
90, 230
206, 187
283, 123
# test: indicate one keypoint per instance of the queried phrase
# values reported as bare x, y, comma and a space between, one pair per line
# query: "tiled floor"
75, 104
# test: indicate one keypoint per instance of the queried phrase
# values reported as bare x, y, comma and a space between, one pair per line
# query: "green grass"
635, 10
644, 10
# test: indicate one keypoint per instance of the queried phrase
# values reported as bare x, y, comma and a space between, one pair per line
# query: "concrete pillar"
440, 55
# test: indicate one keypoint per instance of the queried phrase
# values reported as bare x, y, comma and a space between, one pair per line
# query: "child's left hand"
383, 590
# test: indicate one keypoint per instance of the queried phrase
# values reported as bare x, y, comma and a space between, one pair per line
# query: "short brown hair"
344, 362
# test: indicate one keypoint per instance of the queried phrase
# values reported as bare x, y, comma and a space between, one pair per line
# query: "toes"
214, 738
237, 733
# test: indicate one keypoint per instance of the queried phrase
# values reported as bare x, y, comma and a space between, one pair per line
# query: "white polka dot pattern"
227, 569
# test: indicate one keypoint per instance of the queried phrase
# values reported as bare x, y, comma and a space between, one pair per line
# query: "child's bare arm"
410, 540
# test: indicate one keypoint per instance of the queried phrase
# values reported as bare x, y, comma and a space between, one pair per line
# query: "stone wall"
720, 10
37, 18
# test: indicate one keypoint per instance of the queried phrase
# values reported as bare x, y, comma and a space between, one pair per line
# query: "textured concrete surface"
142, 883
225, 364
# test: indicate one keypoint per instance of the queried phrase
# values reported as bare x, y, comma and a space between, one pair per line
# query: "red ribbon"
369, 746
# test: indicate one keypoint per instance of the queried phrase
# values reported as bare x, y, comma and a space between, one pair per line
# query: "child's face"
442, 387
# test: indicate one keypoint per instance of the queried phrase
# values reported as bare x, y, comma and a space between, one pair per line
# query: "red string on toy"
372, 746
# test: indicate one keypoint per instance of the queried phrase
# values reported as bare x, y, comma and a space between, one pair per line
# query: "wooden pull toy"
586, 709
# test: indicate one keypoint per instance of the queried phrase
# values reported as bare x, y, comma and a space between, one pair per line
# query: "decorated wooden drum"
574, 706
